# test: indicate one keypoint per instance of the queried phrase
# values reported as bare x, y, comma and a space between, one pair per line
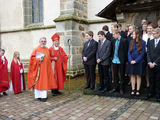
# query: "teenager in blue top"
136, 66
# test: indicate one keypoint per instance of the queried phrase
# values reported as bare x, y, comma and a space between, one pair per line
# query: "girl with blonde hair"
17, 74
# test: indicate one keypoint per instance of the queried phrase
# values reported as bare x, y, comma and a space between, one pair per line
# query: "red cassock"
4, 81
16, 77
60, 66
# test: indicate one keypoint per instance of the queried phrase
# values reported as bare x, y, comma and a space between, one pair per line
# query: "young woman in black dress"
136, 66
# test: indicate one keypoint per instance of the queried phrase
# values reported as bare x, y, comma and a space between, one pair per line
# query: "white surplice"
40, 93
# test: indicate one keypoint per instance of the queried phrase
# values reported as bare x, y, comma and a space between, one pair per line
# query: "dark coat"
153, 53
103, 52
122, 50
108, 36
90, 52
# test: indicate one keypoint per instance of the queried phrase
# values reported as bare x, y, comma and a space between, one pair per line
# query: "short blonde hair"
117, 31
157, 30
15, 56
134, 27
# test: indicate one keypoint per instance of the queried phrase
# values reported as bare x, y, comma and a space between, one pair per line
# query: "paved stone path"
76, 107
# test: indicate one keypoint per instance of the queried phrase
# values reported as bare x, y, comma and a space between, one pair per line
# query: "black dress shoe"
39, 99
86, 87
158, 99
43, 99
91, 88
54, 94
4, 93
58, 92
148, 96
100, 89
112, 91
105, 90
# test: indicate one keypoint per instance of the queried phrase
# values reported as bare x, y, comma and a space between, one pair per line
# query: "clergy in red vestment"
17, 74
4, 81
40, 74
59, 63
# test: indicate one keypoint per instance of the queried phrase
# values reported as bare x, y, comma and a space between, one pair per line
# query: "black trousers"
103, 74
154, 79
119, 68
90, 75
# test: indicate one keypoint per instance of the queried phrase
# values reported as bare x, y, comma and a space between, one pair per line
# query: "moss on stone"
71, 17
80, 20
98, 21
88, 92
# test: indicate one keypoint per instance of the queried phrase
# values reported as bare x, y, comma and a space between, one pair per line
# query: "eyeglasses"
43, 41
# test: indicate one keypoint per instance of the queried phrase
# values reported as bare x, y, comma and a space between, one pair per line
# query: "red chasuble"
4, 81
46, 79
16, 76
60, 66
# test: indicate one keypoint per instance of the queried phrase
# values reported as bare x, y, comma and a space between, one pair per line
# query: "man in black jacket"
143, 21
89, 60
108, 35
103, 60
153, 58
119, 59
123, 34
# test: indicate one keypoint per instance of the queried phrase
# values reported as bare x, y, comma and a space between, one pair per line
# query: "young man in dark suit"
153, 58
123, 34
143, 21
103, 61
119, 59
89, 60
108, 35
113, 28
